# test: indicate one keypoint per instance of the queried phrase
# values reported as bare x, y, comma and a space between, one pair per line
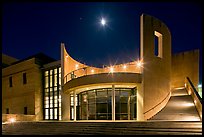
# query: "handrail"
195, 96
158, 103
194, 90
88, 70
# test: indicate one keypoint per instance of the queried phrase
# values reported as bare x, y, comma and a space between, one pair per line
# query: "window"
158, 44
52, 98
24, 78
7, 110
25, 110
10, 82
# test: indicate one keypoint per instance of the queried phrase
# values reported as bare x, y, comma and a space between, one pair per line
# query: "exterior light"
188, 104
111, 69
92, 70
139, 64
76, 66
85, 98
124, 66
66, 56
12, 120
199, 86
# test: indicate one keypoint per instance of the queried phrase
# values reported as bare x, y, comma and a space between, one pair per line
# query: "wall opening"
157, 44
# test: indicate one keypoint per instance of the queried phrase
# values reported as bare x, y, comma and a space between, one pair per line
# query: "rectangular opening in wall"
24, 78
10, 82
158, 44
25, 110
7, 110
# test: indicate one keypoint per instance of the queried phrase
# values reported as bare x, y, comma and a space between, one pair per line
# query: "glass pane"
55, 113
46, 112
51, 81
46, 73
55, 71
60, 70
60, 111
46, 117
46, 82
55, 80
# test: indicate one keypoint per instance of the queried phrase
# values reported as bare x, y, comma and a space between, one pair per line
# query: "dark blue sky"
30, 28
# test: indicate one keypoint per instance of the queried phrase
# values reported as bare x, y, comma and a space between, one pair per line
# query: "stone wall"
21, 95
185, 64
18, 117
156, 71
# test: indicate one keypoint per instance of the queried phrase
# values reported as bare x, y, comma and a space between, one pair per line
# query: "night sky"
30, 28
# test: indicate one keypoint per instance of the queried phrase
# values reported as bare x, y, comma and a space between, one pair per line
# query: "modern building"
22, 88
40, 88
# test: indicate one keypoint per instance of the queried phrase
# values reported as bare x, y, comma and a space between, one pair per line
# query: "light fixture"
12, 120
124, 66
199, 86
92, 70
76, 66
139, 64
111, 69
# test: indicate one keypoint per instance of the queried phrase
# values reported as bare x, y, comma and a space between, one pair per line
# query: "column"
113, 102
140, 103
65, 106
128, 106
74, 96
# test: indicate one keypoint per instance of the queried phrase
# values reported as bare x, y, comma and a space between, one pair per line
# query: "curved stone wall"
156, 71
103, 78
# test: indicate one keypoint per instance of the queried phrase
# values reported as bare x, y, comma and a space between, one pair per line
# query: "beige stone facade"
185, 64
20, 95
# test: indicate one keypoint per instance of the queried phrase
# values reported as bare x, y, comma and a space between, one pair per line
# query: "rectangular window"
46, 82
7, 110
25, 110
24, 78
158, 44
10, 82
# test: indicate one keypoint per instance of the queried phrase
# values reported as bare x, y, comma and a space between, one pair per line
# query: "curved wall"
157, 65
103, 78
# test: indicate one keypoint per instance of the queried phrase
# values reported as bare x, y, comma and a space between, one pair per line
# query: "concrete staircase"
104, 128
179, 108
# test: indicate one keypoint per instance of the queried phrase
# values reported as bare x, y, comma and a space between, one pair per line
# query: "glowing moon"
103, 21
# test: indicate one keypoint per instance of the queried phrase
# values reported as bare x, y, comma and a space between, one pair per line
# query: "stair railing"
195, 96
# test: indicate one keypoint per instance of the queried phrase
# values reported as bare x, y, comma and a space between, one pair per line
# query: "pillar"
113, 102
74, 96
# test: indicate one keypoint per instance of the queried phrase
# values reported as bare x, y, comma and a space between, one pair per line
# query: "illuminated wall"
185, 64
22, 98
155, 52
72, 69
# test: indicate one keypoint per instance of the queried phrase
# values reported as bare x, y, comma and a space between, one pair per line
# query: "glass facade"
52, 97
96, 104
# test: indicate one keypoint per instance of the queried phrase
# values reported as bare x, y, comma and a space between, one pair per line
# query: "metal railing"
195, 96
92, 70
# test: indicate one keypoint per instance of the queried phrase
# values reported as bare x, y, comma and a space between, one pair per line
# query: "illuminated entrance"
96, 104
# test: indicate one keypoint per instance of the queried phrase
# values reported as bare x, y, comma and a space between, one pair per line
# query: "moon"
103, 21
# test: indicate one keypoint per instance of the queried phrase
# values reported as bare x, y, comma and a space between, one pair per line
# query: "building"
70, 90
22, 88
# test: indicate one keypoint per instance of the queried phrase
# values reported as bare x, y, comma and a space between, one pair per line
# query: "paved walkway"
179, 108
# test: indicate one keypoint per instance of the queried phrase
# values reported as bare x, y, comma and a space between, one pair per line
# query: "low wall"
18, 117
